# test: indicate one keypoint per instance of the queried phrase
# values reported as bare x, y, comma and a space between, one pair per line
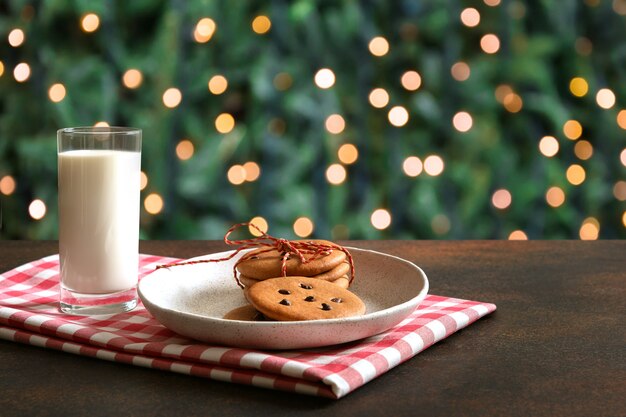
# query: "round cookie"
343, 282
245, 313
333, 275
263, 263
247, 281
303, 298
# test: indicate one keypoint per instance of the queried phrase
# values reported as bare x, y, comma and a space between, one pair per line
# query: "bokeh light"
143, 180
283, 81
336, 174
621, 119
348, 153
153, 203
379, 46
204, 30
7, 185
1, 68
622, 157
132, 78
462, 121
590, 229
224, 123
433, 165
555, 196
492, 3
101, 123
513, 102
16, 37
460, 71
619, 190
440, 224
412, 166
218, 84
605, 98
502, 91
583, 150
253, 171
261, 24
501, 199
379, 98
172, 97
303, 227
90, 22
490, 43
335, 124
572, 129
518, 235
324, 78
411, 80
578, 86
470, 17
398, 116
236, 174
37, 209
549, 146
56, 92
575, 174
259, 222
380, 219
184, 149
619, 7
21, 72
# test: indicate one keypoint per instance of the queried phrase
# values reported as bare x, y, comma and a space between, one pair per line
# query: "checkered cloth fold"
29, 314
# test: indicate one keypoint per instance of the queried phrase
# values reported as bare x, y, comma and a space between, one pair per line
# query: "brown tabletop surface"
554, 347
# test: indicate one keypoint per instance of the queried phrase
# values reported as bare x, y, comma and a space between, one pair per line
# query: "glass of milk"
99, 176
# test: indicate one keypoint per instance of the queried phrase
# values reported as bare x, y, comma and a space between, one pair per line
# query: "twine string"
306, 251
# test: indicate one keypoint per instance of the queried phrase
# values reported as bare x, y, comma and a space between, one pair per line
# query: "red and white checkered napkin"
29, 314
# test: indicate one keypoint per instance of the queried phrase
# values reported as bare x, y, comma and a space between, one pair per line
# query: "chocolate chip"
284, 302
309, 298
284, 292
326, 307
336, 300
306, 286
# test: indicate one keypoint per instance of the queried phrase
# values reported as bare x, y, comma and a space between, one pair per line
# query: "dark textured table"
554, 347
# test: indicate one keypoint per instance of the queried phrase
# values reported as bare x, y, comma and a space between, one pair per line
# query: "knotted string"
306, 251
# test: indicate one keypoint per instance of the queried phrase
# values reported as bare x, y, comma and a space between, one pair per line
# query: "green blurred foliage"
543, 45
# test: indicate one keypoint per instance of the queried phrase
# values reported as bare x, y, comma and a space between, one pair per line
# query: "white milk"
99, 220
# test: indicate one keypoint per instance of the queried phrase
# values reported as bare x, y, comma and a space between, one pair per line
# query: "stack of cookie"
262, 264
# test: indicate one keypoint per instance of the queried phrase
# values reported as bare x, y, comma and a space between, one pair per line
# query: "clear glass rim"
99, 130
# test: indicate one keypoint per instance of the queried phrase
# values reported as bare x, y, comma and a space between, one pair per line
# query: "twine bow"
307, 251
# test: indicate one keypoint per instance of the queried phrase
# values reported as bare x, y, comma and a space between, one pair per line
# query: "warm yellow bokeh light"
101, 124
16, 37
37, 209
590, 229
283, 81
548, 146
205, 28
303, 227
470, 17
412, 166
398, 116
380, 219
575, 174
572, 129
236, 174
622, 157
7, 185
518, 235
619, 190
513, 103
624, 218
490, 43
224, 123
259, 222
153, 203
336, 174
324, 78
132, 78
460, 71
379, 46
605, 98
172, 97
555, 196
502, 91
253, 171
143, 180
492, 3
583, 150
578, 86
501, 199
411, 80
348, 153
433, 165
21, 72
90, 22
56, 93
621, 119
261, 24
218, 84
335, 124
462, 121
379, 98
1, 68
184, 149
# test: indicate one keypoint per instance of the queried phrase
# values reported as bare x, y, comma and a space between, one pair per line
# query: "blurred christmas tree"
373, 119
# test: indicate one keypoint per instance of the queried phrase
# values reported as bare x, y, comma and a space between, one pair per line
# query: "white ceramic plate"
192, 299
